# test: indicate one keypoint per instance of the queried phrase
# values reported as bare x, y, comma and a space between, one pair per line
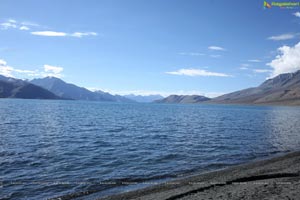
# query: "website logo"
282, 5
267, 5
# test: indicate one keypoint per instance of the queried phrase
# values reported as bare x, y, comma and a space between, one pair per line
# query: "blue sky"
160, 46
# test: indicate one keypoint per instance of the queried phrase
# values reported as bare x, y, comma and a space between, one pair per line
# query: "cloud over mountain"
287, 61
48, 70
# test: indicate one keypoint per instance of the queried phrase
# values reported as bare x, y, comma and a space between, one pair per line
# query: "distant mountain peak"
17, 88
183, 99
144, 98
71, 91
280, 80
50, 78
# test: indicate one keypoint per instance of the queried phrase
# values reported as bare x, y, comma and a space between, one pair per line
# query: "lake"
50, 148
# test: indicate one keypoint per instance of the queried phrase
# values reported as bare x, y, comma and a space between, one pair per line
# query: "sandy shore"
276, 178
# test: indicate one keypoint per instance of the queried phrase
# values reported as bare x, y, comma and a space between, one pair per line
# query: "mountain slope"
183, 99
15, 88
71, 91
282, 89
116, 98
144, 98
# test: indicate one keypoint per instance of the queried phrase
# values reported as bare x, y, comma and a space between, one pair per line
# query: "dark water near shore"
54, 148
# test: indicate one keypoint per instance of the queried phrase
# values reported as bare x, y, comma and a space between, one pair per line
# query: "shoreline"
277, 177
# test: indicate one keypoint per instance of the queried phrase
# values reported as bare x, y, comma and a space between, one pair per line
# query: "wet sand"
276, 178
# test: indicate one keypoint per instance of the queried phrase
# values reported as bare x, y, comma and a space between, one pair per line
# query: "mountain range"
183, 99
52, 88
16, 88
144, 98
71, 91
283, 89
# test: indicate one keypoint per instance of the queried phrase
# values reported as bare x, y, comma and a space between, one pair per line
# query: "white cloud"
216, 48
254, 60
48, 70
191, 54
53, 69
297, 14
80, 34
243, 68
63, 34
7, 25
197, 72
24, 28
286, 36
27, 72
13, 24
287, 61
262, 70
12, 21
6, 70
2, 62
49, 33
29, 24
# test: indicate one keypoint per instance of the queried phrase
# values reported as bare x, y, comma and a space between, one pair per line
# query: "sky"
145, 47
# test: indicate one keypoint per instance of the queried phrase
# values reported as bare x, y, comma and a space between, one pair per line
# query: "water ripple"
54, 148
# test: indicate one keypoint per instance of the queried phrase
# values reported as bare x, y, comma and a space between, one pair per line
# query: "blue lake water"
54, 148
